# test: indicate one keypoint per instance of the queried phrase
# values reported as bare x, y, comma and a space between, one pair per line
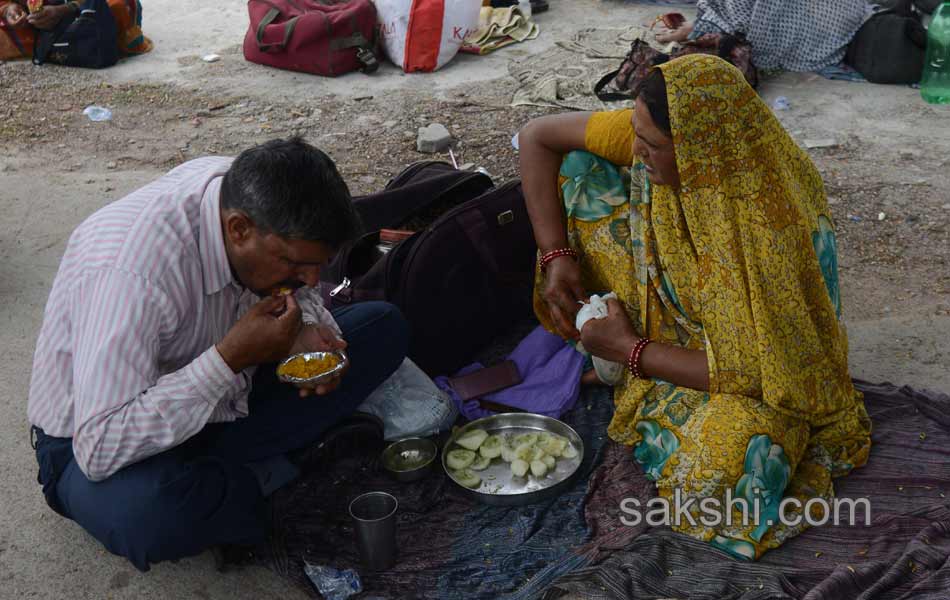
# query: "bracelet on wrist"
547, 257
635, 359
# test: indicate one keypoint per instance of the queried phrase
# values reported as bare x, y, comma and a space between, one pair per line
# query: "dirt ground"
887, 177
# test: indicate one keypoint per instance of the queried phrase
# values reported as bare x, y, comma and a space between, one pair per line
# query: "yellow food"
34, 6
303, 368
284, 291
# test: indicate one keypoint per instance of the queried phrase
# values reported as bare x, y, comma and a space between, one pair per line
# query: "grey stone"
433, 138
822, 143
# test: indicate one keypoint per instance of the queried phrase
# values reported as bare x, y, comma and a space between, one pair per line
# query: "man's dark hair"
652, 90
292, 189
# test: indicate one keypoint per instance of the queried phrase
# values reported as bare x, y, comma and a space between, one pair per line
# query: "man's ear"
238, 227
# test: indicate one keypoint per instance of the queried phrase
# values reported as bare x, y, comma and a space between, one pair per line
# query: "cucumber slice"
491, 447
548, 460
525, 439
481, 463
459, 459
569, 451
538, 468
467, 478
472, 439
507, 453
525, 452
519, 468
553, 445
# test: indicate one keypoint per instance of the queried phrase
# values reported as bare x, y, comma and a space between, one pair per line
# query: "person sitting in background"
154, 395
794, 35
712, 227
19, 27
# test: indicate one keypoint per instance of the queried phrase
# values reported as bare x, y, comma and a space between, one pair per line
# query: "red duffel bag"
324, 37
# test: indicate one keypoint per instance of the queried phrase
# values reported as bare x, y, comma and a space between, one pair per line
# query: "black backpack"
890, 47
88, 40
464, 276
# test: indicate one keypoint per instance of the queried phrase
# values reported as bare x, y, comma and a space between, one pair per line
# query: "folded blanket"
499, 27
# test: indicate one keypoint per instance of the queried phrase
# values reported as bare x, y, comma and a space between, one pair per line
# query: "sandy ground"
892, 157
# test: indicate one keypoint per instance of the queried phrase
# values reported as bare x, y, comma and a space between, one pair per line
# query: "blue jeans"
200, 494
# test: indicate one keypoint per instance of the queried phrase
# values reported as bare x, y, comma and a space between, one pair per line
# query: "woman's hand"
14, 15
48, 17
563, 293
612, 337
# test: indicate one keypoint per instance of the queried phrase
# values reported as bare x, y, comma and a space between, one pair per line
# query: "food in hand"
284, 291
34, 6
302, 367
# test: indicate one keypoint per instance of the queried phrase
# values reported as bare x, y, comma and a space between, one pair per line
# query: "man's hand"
48, 17
612, 337
563, 293
14, 15
316, 338
265, 334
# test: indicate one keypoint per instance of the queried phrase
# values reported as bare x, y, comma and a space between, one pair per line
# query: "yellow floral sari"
741, 263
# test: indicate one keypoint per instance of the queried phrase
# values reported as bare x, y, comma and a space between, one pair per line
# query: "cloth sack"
424, 35
410, 404
609, 372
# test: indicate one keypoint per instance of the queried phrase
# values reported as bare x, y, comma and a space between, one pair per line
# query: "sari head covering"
752, 212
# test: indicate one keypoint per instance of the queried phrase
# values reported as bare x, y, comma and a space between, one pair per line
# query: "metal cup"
374, 516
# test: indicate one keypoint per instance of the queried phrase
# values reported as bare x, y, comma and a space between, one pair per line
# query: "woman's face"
655, 148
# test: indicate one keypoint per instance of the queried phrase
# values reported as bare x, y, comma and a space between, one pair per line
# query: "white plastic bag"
410, 404
423, 35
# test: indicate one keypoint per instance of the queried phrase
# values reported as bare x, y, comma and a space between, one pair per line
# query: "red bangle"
549, 256
633, 361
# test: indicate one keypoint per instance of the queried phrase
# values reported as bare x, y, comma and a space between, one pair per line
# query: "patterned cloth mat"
575, 545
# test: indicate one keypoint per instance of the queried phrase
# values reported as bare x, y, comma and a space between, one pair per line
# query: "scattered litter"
818, 554
881, 216
467, 167
850, 568
515, 143
822, 143
854, 218
97, 113
433, 138
781, 103
332, 583
111, 165
454, 162
210, 58
922, 436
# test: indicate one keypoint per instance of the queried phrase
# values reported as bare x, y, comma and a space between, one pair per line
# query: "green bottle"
935, 85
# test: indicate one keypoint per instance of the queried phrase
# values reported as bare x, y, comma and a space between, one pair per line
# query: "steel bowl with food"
311, 368
410, 459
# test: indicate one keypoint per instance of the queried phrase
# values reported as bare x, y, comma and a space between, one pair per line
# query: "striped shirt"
126, 363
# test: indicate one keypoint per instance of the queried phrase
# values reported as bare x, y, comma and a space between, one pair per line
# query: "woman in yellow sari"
712, 227
18, 28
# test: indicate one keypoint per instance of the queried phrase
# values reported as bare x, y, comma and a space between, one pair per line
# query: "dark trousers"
200, 494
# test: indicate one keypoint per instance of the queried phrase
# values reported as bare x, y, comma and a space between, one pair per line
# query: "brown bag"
623, 83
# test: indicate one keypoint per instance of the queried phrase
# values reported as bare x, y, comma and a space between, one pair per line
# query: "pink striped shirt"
126, 363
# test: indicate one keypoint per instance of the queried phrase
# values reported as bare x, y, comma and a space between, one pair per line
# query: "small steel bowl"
344, 362
410, 459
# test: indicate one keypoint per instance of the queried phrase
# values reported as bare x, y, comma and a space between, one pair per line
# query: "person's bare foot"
680, 34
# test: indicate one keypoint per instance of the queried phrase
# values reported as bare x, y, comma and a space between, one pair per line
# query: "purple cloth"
550, 378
